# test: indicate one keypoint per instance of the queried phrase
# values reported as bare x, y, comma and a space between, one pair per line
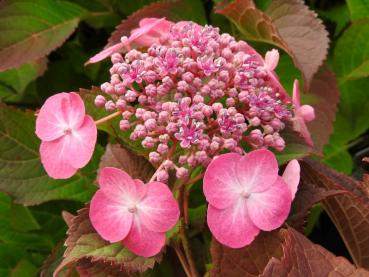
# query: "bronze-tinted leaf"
136, 166
283, 252
349, 212
301, 257
84, 243
248, 261
288, 24
326, 97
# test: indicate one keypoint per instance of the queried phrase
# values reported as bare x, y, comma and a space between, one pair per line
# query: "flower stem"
156, 172
187, 250
182, 259
107, 118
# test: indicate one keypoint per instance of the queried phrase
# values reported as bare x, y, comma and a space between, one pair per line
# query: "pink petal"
291, 176
257, 170
299, 125
221, 185
54, 161
106, 53
271, 59
82, 143
119, 186
269, 209
50, 122
296, 94
60, 112
232, 226
158, 211
307, 113
142, 241
111, 219
74, 110
150, 28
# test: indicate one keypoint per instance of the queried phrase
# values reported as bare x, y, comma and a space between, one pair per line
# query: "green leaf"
358, 9
339, 15
21, 173
13, 82
22, 219
351, 122
352, 62
31, 29
24, 268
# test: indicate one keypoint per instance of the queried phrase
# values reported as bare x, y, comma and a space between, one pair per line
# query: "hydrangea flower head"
194, 93
303, 114
246, 195
68, 135
135, 213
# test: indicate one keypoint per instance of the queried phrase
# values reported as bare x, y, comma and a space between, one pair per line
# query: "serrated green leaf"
351, 55
21, 173
358, 9
14, 81
22, 219
31, 29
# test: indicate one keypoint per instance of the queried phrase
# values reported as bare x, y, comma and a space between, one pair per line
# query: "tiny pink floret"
68, 135
303, 114
132, 212
246, 195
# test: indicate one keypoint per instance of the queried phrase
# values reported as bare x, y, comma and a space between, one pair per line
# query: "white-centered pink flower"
303, 114
150, 31
135, 213
68, 135
246, 195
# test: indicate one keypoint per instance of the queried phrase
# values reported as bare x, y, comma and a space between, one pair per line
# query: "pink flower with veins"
150, 31
303, 114
68, 135
132, 212
246, 195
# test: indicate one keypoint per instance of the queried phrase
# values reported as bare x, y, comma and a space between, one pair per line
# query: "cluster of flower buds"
194, 94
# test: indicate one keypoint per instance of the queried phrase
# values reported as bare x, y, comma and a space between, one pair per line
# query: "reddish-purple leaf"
283, 252
288, 24
136, 166
301, 257
326, 97
84, 243
349, 212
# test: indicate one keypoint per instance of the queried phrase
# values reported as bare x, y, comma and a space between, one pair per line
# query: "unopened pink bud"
100, 101
182, 173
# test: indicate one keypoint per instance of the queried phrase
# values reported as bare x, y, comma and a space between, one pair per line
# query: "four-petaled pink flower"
246, 195
130, 211
150, 31
68, 135
303, 114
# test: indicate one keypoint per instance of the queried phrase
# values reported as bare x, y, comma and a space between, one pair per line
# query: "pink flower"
68, 135
246, 195
303, 114
150, 31
130, 211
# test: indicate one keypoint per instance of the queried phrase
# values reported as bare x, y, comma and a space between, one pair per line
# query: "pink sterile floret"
246, 195
135, 213
149, 32
303, 114
68, 135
